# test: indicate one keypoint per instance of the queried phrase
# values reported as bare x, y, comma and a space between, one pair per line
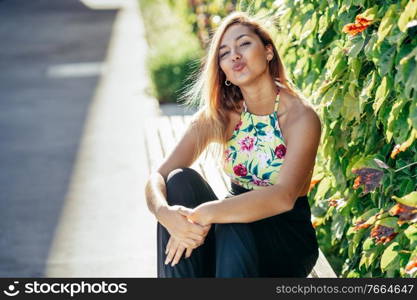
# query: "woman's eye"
246, 43
224, 54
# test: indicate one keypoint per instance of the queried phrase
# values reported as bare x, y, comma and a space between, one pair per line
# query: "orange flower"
361, 224
313, 183
360, 25
395, 151
400, 148
316, 223
411, 266
357, 182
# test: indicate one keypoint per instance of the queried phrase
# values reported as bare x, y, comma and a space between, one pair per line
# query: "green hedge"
174, 51
356, 61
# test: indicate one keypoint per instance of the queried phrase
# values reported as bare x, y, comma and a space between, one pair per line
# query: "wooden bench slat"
225, 179
171, 123
153, 146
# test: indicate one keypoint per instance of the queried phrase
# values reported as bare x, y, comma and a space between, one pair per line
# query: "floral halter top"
256, 150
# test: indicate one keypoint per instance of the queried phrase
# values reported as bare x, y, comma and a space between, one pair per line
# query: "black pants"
283, 245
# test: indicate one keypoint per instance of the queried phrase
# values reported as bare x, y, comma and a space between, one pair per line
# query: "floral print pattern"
255, 152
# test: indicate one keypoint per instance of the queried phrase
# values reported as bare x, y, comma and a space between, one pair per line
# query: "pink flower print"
280, 151
227, 154
247, 143
240, 170
259, 181
238, 125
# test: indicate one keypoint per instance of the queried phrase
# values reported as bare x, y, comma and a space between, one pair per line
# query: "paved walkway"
72, 115
105, 228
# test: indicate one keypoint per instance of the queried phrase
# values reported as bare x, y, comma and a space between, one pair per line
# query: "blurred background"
89, 105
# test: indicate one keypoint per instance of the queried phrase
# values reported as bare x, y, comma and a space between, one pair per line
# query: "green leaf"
369, 49
387, 22
381, 94
386, 60
411, 84
409, 13
370, 13
369, 257
368, 244
413, 114
396, 118
350, 108
409, 199
368, 86
389, 256
323, 186
338, 225
309, 26
411, 232
388, 222
357, 45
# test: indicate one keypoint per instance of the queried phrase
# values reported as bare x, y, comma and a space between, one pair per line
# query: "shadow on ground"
42, 114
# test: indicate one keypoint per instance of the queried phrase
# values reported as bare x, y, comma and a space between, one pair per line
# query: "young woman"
269, 138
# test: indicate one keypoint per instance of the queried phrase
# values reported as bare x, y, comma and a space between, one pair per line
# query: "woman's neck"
260, 96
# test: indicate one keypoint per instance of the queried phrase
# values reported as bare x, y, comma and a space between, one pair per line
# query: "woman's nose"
235, 56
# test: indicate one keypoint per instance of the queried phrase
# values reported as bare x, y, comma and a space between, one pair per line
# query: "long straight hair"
213, 98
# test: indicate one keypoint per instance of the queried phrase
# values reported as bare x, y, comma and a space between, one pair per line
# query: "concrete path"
105, 228
72, 112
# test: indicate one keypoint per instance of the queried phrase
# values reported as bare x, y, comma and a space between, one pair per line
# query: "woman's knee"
179, 187
181, 174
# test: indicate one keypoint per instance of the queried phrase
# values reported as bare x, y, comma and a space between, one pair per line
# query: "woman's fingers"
188, 252
168, 245
171, 250
178, 254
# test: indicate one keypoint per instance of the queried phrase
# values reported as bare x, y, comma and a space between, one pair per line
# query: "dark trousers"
283, 245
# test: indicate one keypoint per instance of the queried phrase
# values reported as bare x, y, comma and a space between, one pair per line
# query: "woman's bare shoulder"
300, 109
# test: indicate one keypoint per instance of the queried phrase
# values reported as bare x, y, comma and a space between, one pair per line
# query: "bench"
161, 138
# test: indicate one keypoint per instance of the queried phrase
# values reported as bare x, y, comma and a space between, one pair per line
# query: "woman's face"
242, 56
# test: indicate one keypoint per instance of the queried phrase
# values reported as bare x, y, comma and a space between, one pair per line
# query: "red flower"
405, 213
238, 125
240, 170
383, 234
280, 151
247, 143
369, 177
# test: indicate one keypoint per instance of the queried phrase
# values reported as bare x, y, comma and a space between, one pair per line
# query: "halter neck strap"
277, 99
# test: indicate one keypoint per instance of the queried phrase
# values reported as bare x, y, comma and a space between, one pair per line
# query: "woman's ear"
269, 52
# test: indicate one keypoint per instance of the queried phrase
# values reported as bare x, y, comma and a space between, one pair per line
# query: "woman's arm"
183, 155
302, 144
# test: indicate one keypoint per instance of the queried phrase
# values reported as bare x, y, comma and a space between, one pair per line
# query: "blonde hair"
213, 98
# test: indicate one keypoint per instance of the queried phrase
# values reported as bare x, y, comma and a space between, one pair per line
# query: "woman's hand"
174, 249
174, 219
202, 214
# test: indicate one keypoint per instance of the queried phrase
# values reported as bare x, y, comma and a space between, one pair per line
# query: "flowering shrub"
356, 62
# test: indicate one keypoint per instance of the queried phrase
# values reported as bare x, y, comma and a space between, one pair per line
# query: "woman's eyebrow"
240, 36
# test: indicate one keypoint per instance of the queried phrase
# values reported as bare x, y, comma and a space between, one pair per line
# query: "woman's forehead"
234, 32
